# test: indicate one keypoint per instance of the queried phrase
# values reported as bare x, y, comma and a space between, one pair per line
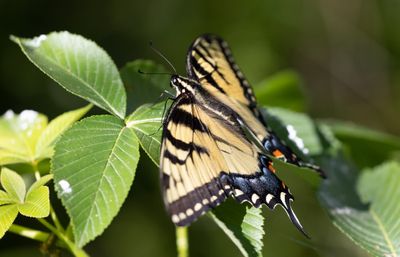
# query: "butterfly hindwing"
206, 157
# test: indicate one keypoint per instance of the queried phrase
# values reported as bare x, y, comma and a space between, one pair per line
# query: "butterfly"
215, 142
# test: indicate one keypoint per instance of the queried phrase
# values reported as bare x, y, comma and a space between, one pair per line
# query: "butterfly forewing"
190, 164
210, 61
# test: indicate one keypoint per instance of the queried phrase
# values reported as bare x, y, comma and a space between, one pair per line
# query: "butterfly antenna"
154, 73
162, 56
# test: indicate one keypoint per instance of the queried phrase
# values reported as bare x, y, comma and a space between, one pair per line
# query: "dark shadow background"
346, 52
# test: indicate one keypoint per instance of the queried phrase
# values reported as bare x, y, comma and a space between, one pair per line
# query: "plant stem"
58, 230
56, 220
34, 234
68, 232
53, 214
29, 233
78, 252
37, 175
182, 244
36, 169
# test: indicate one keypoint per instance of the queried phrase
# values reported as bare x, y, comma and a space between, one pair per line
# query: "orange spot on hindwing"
271, 167
277, 154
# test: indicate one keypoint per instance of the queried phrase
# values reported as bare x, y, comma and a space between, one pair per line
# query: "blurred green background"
346, 53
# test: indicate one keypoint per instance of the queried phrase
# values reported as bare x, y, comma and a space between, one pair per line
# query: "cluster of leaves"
94, 161
15, 199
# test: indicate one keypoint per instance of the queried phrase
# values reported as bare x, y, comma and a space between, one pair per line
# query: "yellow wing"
205, 157
210, 61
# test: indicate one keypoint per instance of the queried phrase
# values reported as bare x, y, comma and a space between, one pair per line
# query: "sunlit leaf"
243, 225
19, 134
146, 121
296, 129
8, 157
41, 182
13, 184
8, 213
366, 210
5, 198
27, 138
80, 66
144, 88
44, 146
379, 188
94, 166
36, 204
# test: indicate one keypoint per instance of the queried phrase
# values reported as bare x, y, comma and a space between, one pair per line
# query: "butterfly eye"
174, 81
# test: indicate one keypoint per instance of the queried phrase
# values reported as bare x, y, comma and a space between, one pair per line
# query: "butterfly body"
215, 143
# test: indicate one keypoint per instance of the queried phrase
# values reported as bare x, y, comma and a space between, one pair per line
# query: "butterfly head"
182, 84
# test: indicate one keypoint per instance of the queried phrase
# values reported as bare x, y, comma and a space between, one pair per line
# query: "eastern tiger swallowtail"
215, 142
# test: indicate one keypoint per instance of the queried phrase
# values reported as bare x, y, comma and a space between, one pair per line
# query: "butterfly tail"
265, 188
285, 203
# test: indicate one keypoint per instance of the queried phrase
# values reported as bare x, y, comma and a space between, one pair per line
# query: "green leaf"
41, 182
283, 89
94, 165
369, 216
8, 213
296, 129
143, 88
366, 146
46, 141
146, 122
27, 138
37, 203
379, 187
8, 157
5, 198
80, 66
13, 184
19, 134
243, 225
306, 138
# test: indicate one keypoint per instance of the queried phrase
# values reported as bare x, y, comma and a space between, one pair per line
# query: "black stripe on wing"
179, 144
205, 42
193, 204
182, 117
206, 75
248, 91
190, 207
